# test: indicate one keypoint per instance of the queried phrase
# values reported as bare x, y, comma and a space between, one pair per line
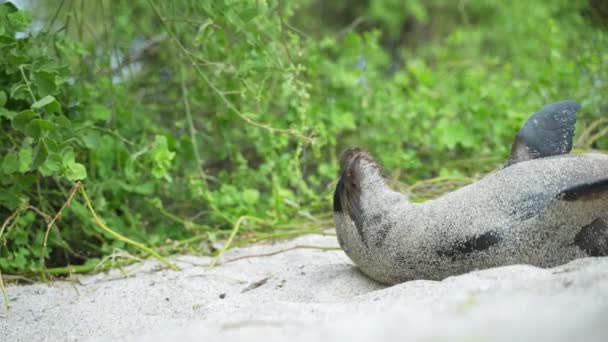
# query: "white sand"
311, 295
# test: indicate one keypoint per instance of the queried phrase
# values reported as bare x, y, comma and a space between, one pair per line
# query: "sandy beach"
309, 294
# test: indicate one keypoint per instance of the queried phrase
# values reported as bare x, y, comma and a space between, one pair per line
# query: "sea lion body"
544, 208
514, 215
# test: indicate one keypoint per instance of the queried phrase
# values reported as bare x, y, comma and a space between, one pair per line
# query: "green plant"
192, 122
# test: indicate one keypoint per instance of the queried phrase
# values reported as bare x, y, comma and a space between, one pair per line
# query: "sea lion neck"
370, 180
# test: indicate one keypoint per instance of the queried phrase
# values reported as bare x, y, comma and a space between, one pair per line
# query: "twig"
595, 137
235, 229
55, 16
322, 248
71, 269
584, 137
350, 27
57, 216
4, 292
105, 130
16, 277
4, 225
121, 237
112, 258
463, 11
9, 219
249, 256
192, 130
283, 39
27, 83
187, 223
297, 30
47, 218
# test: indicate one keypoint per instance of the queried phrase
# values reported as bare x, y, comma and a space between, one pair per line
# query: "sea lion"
544, 208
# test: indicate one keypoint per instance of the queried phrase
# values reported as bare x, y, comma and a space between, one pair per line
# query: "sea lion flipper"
593, 238
584, 191
548, 132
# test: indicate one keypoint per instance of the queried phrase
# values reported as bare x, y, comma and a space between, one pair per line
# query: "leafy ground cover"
179, 124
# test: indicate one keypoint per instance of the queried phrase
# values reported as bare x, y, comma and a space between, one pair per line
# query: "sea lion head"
358, 170
356, 163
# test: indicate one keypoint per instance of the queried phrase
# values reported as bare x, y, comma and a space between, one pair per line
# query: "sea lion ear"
548, 132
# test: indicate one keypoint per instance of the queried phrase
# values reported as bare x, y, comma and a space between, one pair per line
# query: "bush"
183, 118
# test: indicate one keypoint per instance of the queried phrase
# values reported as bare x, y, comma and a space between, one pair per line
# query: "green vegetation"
189, 122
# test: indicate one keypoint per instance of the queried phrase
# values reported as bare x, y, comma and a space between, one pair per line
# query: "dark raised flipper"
548, 132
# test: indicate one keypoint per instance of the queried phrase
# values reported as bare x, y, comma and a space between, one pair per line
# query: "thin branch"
358, 21
283, 39
47, 218
17, 277
54, 219
4, 293
463, 12
4, 225
55, 16
192, 130
8, 220
27, 83
584, 140
296, 30
235, 230
595, 137
322, 248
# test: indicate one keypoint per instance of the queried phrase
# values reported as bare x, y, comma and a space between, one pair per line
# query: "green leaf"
40, 155
43, 102
202, 29
62, 121
51, 166
19, 261
92, 139
100, 113
451, 134
7, 114
21, 120
51, 145
7, 8
19, 20
75, 171
39, 127
45, 81
2, 98
146, 188
49, 103
249, 12
25, 159
10, 163
251, 196
161, 157
67, 156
